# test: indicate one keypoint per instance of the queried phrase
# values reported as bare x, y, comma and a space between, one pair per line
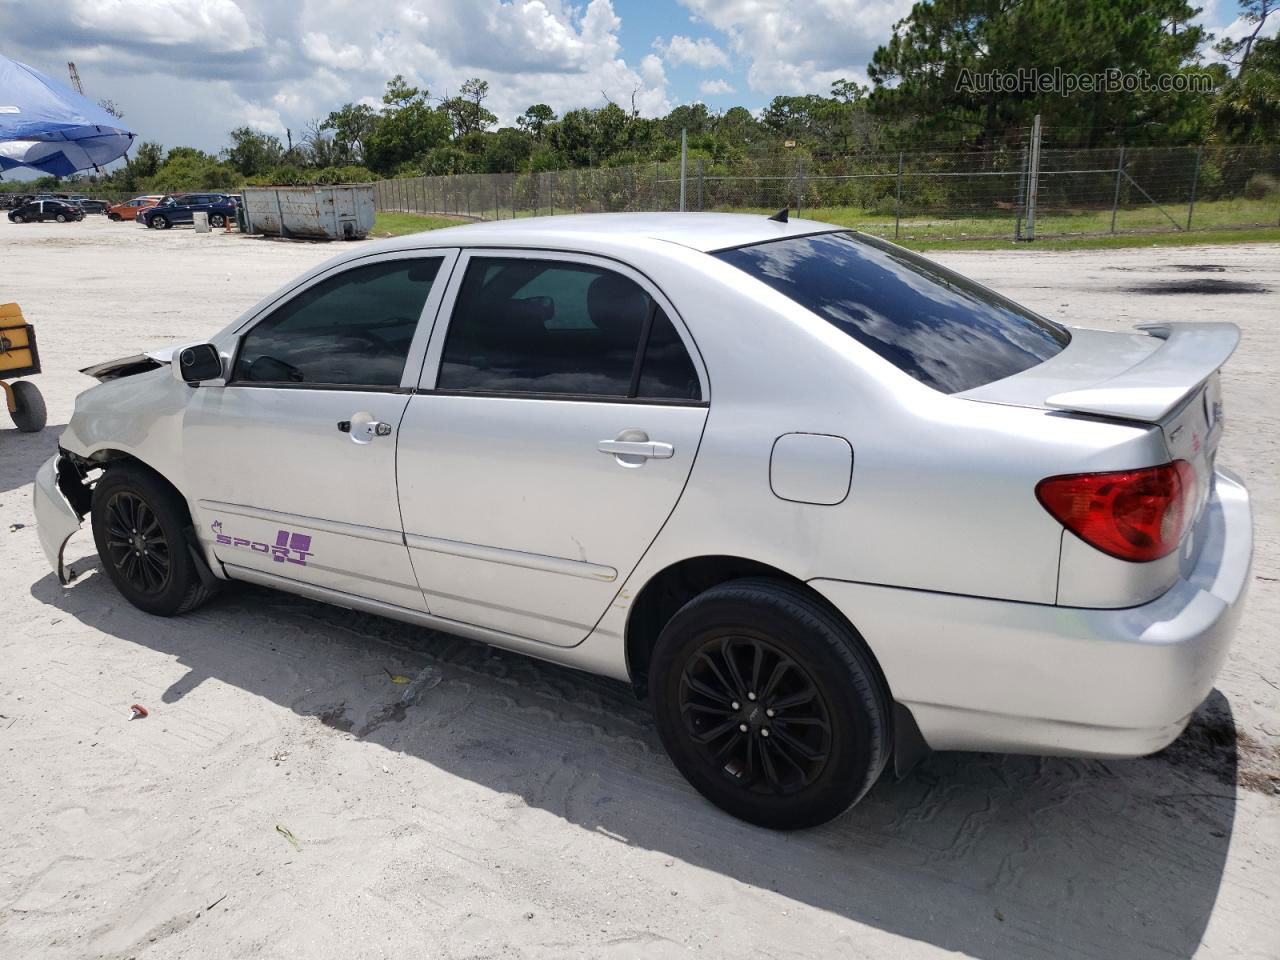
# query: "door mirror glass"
199, 363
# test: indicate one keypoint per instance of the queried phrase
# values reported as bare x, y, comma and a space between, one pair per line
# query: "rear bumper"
982, 674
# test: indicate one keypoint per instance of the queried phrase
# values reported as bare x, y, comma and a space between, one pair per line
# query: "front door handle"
363, 427
645, 449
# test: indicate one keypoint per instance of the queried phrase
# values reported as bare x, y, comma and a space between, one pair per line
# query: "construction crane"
75, 78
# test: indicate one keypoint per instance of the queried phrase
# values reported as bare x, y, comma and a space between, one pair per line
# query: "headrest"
617, 307
514, 323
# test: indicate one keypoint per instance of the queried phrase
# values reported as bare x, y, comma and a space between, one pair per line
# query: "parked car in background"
94, 206
183, 208
826, 502
130, 209
60, 210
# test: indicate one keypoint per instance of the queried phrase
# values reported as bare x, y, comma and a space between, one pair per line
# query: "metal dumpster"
337, 212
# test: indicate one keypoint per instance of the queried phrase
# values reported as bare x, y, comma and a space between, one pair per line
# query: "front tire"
140, 527
30, 415
18, 218
61, 218
160, 223
113, 217
769, 704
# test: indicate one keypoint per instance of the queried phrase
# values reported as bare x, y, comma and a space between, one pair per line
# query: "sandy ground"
521, 810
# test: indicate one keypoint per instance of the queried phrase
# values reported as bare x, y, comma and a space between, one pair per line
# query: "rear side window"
353, 329
544, 327
935, 325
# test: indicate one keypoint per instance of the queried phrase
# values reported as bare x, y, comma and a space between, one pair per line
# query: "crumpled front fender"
56, 518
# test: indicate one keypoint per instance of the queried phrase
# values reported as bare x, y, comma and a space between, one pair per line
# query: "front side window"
935, 325
562, 329
353, 329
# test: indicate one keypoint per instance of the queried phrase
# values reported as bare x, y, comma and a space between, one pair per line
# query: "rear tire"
217, 220
140, 527
30, 415
113, 217
766, 656
61, 218
18, 218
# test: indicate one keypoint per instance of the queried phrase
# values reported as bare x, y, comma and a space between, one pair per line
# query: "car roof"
588, 231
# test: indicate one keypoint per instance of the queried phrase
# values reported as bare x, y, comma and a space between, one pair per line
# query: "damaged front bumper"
61, 500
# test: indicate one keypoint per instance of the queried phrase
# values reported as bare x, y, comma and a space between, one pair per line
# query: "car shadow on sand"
998, 857
22, 453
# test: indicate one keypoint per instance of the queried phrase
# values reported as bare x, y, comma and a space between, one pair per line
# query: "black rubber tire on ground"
17, 218
823, 654
180, 589
217, 220
113, 217
61, 218
31, 416
160, 222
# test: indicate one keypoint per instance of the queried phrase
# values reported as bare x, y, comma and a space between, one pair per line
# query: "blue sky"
187, 71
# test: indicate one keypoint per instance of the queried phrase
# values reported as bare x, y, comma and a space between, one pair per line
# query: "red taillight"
1135, 515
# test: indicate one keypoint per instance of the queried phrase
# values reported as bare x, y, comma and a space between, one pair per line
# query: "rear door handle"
649, 449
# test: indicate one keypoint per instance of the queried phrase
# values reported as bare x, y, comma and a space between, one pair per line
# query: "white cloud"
219, 23
702, 53
651, 71
802, 47
713, 88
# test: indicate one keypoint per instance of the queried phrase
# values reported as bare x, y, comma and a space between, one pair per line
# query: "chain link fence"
1018, 193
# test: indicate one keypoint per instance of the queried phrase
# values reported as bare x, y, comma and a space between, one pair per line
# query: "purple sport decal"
290, 546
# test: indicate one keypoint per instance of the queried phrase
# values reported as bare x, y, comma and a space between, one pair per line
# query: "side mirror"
199, 363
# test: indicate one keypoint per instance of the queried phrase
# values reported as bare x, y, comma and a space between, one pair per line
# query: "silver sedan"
824, 502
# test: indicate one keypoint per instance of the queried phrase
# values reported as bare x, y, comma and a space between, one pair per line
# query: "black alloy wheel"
756, 715
136, 544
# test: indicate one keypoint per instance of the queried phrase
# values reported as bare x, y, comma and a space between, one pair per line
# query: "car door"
559, 415
292, 461
181, 212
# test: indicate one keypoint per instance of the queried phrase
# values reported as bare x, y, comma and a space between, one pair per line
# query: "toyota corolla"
824, 502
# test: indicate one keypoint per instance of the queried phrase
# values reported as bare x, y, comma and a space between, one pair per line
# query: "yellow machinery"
20, 358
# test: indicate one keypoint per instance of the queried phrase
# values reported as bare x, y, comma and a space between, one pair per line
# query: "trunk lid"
1167, 377
1145, 377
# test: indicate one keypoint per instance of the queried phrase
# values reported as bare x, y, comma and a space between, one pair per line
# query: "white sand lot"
522, 810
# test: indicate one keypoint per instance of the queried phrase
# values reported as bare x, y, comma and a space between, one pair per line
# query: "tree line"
915, 102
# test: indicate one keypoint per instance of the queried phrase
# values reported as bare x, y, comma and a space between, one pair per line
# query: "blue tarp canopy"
51, 128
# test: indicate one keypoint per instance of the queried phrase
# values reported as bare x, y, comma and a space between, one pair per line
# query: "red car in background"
130, 209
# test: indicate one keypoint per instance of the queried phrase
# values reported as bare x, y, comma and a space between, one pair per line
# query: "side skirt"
496, 638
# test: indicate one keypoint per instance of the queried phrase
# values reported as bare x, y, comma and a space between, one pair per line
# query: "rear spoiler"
1152, 389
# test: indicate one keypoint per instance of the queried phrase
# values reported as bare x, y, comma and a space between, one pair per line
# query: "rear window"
935, 325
